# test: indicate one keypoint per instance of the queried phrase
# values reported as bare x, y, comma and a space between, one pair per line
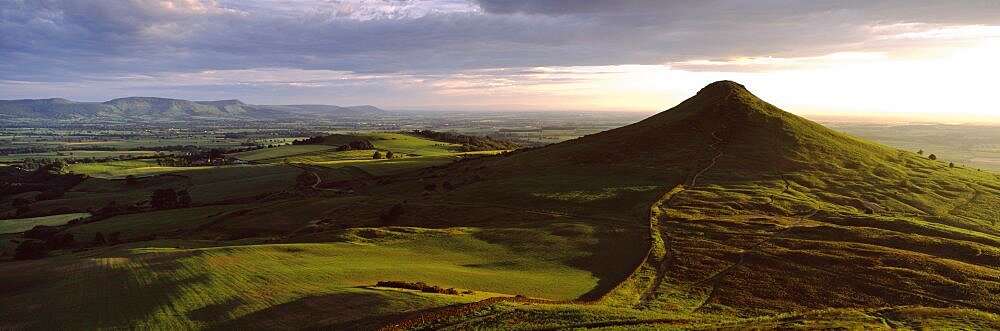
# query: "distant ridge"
153, 109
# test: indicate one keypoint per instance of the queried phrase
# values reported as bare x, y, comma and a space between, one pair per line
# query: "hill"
722, 212
756, 211
150, 109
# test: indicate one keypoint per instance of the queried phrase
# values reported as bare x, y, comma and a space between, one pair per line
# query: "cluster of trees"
469, 143
112, 239
378, 155
41, 239
309, 141
419, 286
214, 156
51, 179
167, 198
356, 145
392, 214
57, 166
933, 157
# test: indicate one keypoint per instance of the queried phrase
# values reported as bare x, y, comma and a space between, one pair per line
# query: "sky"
911, 58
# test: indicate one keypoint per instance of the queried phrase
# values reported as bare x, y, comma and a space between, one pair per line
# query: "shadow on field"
608, 253
216, 313
311, 311
611, 260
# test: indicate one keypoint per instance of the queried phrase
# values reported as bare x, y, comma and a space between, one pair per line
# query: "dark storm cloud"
79, 39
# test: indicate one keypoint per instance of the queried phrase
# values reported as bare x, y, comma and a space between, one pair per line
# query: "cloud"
94, 41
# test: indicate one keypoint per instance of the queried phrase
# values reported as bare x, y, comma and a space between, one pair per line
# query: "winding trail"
319, 180
655, 228
975, 196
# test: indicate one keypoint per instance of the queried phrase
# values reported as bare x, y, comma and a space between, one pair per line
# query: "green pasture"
280, 152
168, 288
24, 224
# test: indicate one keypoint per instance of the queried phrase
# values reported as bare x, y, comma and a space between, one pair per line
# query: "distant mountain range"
163, 109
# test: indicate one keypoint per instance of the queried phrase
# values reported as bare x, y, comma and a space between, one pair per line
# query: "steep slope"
754, 210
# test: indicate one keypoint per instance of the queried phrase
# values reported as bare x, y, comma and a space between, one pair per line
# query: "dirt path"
975, 196
664, 266
319, 180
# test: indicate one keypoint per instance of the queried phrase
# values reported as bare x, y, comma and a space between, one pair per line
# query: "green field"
120, 169
411, 145
162, 222
968, 145
24, 224
280, 152
226, 286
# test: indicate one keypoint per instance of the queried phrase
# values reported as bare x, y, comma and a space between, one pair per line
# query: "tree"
41, 232
99, 239
377, 155
18, 202
388, 154
951, 164
113, 238
920, 152
183, 199
30, 249
163, 198
60, 240
932, 157
110, 208
392, 214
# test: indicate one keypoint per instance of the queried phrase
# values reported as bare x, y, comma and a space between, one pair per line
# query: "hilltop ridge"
155, 109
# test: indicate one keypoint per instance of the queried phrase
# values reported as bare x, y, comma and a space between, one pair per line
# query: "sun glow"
956, 84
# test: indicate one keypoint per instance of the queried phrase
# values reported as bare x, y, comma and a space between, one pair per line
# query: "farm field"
165, 222
970, 145
280, 152
24, 224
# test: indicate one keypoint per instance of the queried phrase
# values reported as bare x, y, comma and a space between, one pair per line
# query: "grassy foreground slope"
179, 284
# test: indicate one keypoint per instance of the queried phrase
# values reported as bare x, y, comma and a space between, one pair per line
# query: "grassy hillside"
161, 286
722, 212
768, 211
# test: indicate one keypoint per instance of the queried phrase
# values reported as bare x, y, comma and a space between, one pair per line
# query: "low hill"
164, 109
756, 211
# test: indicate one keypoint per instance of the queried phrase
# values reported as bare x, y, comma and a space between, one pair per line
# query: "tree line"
469, 143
